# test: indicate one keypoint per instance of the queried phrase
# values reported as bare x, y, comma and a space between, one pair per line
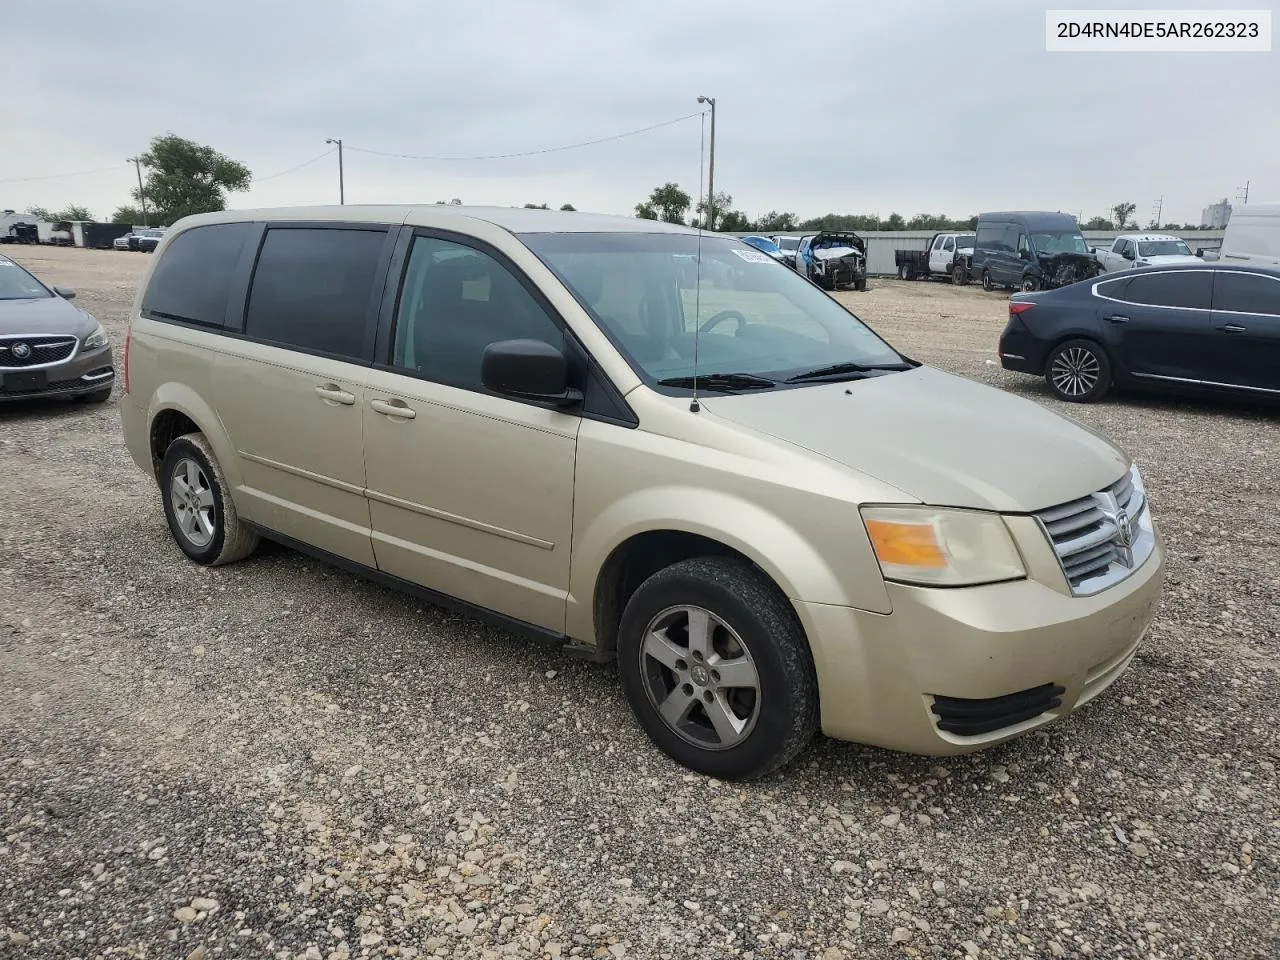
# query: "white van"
1253, 235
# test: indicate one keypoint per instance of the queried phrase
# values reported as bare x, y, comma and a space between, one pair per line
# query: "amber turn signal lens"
906, 544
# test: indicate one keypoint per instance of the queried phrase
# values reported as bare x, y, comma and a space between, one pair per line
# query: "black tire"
228, 539
902, 271
98, 396
987, 285
860, 284
1029, 285
752, 614
1078, 371
959, 275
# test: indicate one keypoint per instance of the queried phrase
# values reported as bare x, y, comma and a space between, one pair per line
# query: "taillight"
128, 338
1019, 306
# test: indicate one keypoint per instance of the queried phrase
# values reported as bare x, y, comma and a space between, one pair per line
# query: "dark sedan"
49, 348
1209, 327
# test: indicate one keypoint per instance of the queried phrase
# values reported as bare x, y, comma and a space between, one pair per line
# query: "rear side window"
313, 289
1185, 288
1246, 293
191, 282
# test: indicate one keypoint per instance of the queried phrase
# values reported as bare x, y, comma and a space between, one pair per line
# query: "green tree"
185, 178
569, 207
895, 222
775, 222
1121, 213
127, 214
735, 221
667, 202
721, 203
70, 212
1098, 223
536, 206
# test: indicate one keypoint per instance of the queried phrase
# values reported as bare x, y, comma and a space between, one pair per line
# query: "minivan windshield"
17, 284
1051, 242
1164, 248
753, 316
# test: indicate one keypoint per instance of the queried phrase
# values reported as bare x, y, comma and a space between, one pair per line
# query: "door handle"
1234, 328
1117, 319
396, 409
332, 393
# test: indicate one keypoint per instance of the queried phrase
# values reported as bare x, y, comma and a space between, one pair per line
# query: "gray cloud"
825, 106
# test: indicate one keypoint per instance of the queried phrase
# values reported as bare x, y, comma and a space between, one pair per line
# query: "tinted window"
1009, 239
1186, 288
1246, 293
17, 284
454, 302
192, 280
989, 236
312, 289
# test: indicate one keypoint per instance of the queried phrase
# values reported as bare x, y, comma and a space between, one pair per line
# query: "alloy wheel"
1075, 371
191, 497
700, 677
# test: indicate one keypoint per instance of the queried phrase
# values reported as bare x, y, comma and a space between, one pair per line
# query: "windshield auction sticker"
1158, 31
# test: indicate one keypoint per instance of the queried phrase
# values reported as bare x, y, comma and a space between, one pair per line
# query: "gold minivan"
656, 447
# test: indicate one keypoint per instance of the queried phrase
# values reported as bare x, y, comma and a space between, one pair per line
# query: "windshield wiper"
721, 381
844, 369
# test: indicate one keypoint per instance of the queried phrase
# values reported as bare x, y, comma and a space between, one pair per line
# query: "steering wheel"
720, 318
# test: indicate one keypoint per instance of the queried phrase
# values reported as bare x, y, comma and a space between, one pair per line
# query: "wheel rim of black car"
1075, 371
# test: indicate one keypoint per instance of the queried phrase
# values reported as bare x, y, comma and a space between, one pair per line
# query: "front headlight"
96, 339
936, 547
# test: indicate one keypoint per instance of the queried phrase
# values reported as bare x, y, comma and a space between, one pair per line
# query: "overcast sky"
839, 106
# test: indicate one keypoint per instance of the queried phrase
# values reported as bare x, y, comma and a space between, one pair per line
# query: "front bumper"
85, 372
1004, 659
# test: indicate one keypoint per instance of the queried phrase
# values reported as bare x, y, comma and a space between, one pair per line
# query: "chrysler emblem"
22, 350
1123, 539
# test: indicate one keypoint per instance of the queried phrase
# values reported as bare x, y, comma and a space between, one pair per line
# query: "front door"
1246, 322
470, 494
941, 255
1162, 322
292, 390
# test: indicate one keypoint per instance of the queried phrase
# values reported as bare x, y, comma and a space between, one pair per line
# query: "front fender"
784, 553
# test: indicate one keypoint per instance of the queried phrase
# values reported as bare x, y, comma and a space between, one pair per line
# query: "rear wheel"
197, 503
902, 272
1079, 371
987, 285
716, 668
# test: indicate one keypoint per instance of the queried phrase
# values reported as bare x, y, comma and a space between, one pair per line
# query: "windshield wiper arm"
721, 381
841, 369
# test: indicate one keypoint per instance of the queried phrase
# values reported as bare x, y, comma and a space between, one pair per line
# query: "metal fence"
882, 243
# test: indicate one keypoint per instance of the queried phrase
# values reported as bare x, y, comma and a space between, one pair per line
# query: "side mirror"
64, 293
528, 370
1024, 254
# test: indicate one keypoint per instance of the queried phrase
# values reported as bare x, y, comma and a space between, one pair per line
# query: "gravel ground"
277, 760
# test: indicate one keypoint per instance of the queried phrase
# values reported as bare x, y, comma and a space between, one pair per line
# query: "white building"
1216, 215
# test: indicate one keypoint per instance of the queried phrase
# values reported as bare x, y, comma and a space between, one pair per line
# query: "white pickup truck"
946, 256
1143, 250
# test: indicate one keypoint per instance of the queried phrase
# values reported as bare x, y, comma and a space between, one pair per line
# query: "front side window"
1183, 288
949, 245
192, 279
989, 236
312, 289
742, 313
454, 302
17, 284
1246, 293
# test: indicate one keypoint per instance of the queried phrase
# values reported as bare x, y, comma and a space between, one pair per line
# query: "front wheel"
716, 668
1030, 285
197, 503
959, 275
1079, 371
860, 284
987, 285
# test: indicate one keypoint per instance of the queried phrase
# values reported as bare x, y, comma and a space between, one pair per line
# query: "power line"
59, 176
533, 153
306, 163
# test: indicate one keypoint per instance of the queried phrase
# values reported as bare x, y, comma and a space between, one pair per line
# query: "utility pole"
142, 194
711, 168
1159, 211
1245, 191
341, 191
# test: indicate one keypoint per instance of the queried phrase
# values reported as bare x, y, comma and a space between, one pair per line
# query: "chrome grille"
40, 351
1102, 538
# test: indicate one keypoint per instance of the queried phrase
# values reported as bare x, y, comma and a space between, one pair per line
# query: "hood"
44, 316
1060, 269
939, 438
